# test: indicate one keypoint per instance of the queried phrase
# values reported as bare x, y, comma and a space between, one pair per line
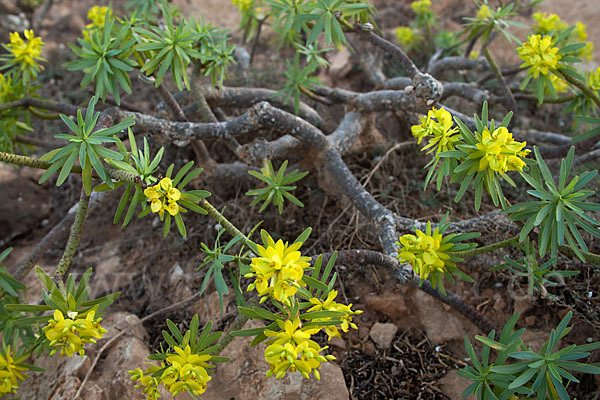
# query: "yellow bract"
426, 253
292, 350
163, 197
407, 37
547, 23
243, 5
500, 152
330, 305
71, 334
27, 52
184, 372
97, 15
421, 6
484, 12
539, 55
10, 373
278, 270
438, 127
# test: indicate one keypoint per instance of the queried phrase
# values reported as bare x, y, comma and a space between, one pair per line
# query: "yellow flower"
438, 127
72, 334
166, 184
593, 80
185, 356
291, 331
97, 15
547, 24
421, 6
484, 12
539, 55
293, 351
581, 35
499, 151
148, 383
426, 252
474, 54
560, 85
10, 372
407, 37
26, 53
243, 5
330, 305
163, 197
278, 270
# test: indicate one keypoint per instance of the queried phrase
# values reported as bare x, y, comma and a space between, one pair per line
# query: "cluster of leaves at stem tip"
517, 370
184, 364
109, 52
279, 186
86, 146
299, 24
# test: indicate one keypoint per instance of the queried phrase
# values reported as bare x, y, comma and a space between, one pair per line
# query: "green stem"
224, 222
237, 324
74, 237
24, 161
43, 115
589, 257
486, 249
511, 102
581, 85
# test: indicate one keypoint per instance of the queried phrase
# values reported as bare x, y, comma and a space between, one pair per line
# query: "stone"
24, 205
453, 385
439, 325
522, 305
389, 303
243, 377
129, 353
383, 334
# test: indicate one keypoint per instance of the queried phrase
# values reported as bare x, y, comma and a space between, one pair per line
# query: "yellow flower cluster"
10, 373
407, 37
560, 85
278, 270
243, 5
292, 350
8, 90
593, 80
26, 53
484, 12
97, 15
539, 55
438, 127
421, 6
581, 35
330, 305
183, 372
500, 152
547, 24
425, 252
71, 334
163, 196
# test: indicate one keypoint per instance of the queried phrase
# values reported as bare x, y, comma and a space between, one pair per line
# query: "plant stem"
74, 237
486, 249
581, 85
24, 161
510, 99
171, 103
237, 324
224, 222
589, 257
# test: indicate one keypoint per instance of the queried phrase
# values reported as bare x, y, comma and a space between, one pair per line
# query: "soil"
152, 273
